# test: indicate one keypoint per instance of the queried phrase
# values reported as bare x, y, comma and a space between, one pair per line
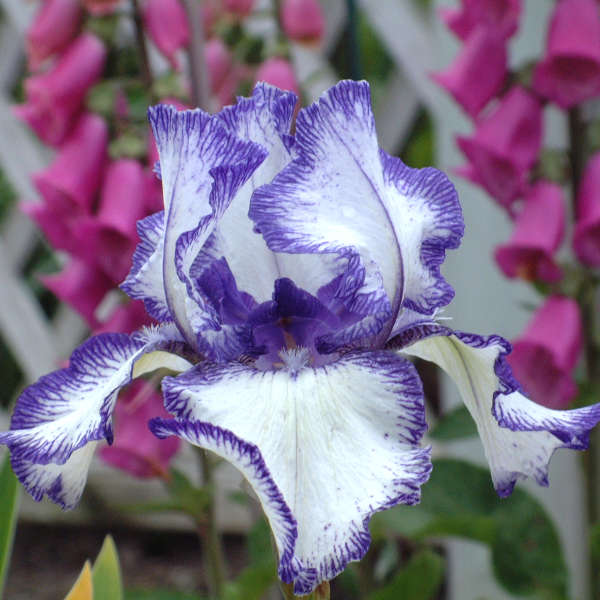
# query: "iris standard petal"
330, 200
518, 435
202, 167
66, 409
323, 448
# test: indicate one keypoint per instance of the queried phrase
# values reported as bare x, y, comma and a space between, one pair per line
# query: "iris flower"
291, 274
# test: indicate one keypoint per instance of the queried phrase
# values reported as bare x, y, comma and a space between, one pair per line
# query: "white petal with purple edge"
66, 409
202, 167
63, 484
330, 200
323, 448
520, 439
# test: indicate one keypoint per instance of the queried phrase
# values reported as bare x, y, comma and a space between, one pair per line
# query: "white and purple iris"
291, 274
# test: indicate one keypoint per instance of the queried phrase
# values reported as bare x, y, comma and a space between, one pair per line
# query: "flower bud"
167, 26
302, 20
278, 72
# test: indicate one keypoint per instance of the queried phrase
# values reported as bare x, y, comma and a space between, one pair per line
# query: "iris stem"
209, 533
322, 592
587, 302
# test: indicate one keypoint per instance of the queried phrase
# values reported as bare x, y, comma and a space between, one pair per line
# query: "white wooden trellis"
418, 44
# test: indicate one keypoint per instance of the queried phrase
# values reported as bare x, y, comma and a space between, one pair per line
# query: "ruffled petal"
518, 435
323, 448
63, 484
68, 408
145, 280
202, 167
331, 200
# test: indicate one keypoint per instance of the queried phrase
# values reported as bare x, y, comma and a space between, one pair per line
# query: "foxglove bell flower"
586, 238
291, 275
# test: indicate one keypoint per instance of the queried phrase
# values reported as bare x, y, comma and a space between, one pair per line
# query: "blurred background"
52, 295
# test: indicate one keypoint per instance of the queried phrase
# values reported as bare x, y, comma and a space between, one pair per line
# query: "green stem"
587, 302
321, 593
209, 534
141, 44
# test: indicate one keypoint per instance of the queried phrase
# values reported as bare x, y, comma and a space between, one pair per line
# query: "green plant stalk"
141, 44
587, 303
209, 533
321, 593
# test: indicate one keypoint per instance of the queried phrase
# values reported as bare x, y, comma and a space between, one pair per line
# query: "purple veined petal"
63, 484
265, 119
145, 280
323, 448
426, 215
66, 409
518, 435
331, 199
201, 166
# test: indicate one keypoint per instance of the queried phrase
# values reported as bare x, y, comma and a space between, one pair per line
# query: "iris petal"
334, 444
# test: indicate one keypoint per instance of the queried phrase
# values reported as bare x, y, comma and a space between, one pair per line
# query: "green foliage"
418, 149
455, 424
459, 500
420, 579
159, 594
9, 501
106, 573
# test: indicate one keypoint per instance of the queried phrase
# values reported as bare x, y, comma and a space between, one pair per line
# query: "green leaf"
420, 579
106, 573
454, 425
459, 500
9, 501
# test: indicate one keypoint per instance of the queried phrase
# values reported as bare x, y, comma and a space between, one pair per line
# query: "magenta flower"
56, 97
109, 238
586, 240
125, 318
505, 146
219, 62
240, 8
80, 285
570, 72
136, 449
500, 15
58, 226
478, 72
539, 230
302, 20
70, 183
544, 357
167, 26
278, 72
55, 24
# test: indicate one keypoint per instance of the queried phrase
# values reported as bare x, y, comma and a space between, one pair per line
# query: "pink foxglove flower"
127, 317
278, 72
240, 8
71, 182
586, 240
167, 26
80, 285
570, 72
500, 15
505, 146
54, 99
108, 239
544, 357
295, 270
136, 450
219, 62
539, 230
478, 72
54, 26
58, 226
302, 20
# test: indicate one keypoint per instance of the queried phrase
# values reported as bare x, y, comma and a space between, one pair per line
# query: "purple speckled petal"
65, 410
145, 280
331, 200
63, 484
202, 167
324, 448
426, 215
